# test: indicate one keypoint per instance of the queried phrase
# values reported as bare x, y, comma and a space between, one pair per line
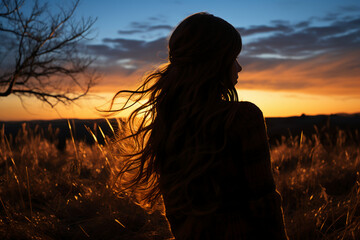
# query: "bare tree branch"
10, 7
45, 46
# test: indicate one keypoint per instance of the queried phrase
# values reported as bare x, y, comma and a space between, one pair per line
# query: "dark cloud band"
278, 45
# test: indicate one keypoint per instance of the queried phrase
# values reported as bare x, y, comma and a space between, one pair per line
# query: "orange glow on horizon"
321, 75
272, 103
316, 86
285, 104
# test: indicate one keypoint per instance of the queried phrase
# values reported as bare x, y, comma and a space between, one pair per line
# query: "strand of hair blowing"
173, 131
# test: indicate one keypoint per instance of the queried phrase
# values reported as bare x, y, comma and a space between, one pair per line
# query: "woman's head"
203, 39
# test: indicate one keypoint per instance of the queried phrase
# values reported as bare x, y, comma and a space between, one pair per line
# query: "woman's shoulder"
248, 122
246, 111
247, 107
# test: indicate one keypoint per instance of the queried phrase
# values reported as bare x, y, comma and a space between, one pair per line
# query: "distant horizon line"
291, 116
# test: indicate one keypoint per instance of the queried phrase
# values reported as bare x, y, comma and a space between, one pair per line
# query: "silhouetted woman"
200, 149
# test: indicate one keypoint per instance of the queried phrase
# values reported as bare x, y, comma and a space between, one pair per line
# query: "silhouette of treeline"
327, 127
58, 131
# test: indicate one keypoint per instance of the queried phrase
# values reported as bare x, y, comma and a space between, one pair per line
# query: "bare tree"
41, 52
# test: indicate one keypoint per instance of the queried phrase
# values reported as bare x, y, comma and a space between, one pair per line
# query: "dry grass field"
72, 193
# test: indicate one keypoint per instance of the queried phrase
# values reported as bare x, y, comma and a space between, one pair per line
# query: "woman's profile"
198, 148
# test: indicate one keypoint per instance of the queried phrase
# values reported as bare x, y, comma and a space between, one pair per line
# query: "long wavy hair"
173, 128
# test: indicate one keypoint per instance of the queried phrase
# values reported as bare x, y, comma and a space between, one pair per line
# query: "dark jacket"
249, 207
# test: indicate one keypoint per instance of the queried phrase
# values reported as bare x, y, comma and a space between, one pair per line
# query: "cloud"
156, 23
350, 8
326, 73
275, 26
263, 29
139, 52
306, 40
144, 28
313, 56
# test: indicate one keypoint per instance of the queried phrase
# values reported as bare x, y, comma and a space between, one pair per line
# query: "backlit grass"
47, 193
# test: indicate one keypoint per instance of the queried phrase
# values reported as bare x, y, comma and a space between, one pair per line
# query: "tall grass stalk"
77, 162
28, 190
109, 165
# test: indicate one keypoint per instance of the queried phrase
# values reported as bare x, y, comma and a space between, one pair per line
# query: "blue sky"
298, 56
114, 15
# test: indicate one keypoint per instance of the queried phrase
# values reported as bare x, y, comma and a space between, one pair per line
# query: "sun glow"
272, 103
283, 103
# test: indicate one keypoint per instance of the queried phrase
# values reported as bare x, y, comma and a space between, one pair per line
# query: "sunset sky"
299, 56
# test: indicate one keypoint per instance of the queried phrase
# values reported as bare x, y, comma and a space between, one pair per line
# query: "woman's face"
235, 69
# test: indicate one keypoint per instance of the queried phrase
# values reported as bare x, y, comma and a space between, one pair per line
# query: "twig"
28, 188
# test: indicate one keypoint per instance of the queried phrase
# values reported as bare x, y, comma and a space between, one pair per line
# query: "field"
54, 187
